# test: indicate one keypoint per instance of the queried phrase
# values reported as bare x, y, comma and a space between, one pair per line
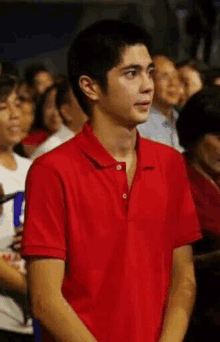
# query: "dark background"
41, 31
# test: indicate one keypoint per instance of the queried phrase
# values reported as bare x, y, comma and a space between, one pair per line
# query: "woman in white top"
15, 324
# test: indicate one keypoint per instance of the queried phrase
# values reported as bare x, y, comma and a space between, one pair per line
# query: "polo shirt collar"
92, 147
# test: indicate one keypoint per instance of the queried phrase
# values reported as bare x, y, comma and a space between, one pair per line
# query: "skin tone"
73, 114
27, 107
207, 155
191, 80
125, 105
182, 91
10, 128
51, 117
27, 118
114, 116
167, 85
217, 81
42, 81
10, 134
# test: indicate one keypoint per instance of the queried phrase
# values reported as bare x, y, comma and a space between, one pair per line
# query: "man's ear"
89, 87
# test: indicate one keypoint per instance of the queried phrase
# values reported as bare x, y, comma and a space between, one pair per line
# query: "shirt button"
118, 167
124, 196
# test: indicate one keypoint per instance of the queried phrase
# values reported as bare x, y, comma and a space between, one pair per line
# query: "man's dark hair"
200, 116
199, 66
7, 84
99, 48
31, 71
63, 93
8, 68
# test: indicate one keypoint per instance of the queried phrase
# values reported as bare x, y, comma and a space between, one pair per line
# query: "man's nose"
147, 83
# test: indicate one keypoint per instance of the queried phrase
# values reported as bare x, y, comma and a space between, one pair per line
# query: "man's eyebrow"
137, 66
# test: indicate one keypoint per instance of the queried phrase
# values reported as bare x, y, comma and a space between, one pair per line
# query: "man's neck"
119, 141
164, 109
76, 125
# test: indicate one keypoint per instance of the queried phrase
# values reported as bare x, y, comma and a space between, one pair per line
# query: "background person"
199, 132
118, 272
47, 120
161, 124
192, 74
27, 108
73, 119
14, 322
38, 78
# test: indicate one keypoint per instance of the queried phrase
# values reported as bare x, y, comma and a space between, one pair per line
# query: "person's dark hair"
8, 68
200, 116
7, 84
99, 48
196, 65
63, 92
38, 113
211, 76
31, 71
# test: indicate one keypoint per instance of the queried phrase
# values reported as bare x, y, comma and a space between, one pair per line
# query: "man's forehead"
135, 54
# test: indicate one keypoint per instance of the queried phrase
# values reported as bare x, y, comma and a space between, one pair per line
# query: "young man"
162, 120
109, 215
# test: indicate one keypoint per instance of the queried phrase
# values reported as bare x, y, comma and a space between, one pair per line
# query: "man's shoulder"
61, 156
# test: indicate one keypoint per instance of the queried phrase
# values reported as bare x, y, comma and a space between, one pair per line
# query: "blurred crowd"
40, 112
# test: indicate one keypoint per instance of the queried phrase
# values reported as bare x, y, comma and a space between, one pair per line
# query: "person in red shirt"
47, 120
199, 130
109, 215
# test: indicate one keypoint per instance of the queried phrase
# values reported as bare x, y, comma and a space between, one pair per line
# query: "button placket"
118, 167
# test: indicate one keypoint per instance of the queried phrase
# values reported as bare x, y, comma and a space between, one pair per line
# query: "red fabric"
35, 137
118, 250
207, 202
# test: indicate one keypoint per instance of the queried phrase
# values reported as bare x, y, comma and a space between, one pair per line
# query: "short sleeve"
187, 229
44, 224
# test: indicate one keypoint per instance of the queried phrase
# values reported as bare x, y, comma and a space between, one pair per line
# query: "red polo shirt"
117, 243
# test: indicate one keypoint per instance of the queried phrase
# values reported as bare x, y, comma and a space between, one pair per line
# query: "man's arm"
47, 304
181, 296
11, 278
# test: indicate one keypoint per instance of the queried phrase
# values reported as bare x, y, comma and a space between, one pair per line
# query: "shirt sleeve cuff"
186, 240
40, 251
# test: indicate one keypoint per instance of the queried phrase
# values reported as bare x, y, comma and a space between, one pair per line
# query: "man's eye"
3, 106
131, 73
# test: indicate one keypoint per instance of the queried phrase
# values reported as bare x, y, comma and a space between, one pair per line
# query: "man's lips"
143, 103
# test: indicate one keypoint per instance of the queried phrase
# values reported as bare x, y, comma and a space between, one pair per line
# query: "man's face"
191, 80
129, 88
42, 81
166, 80
10, 120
